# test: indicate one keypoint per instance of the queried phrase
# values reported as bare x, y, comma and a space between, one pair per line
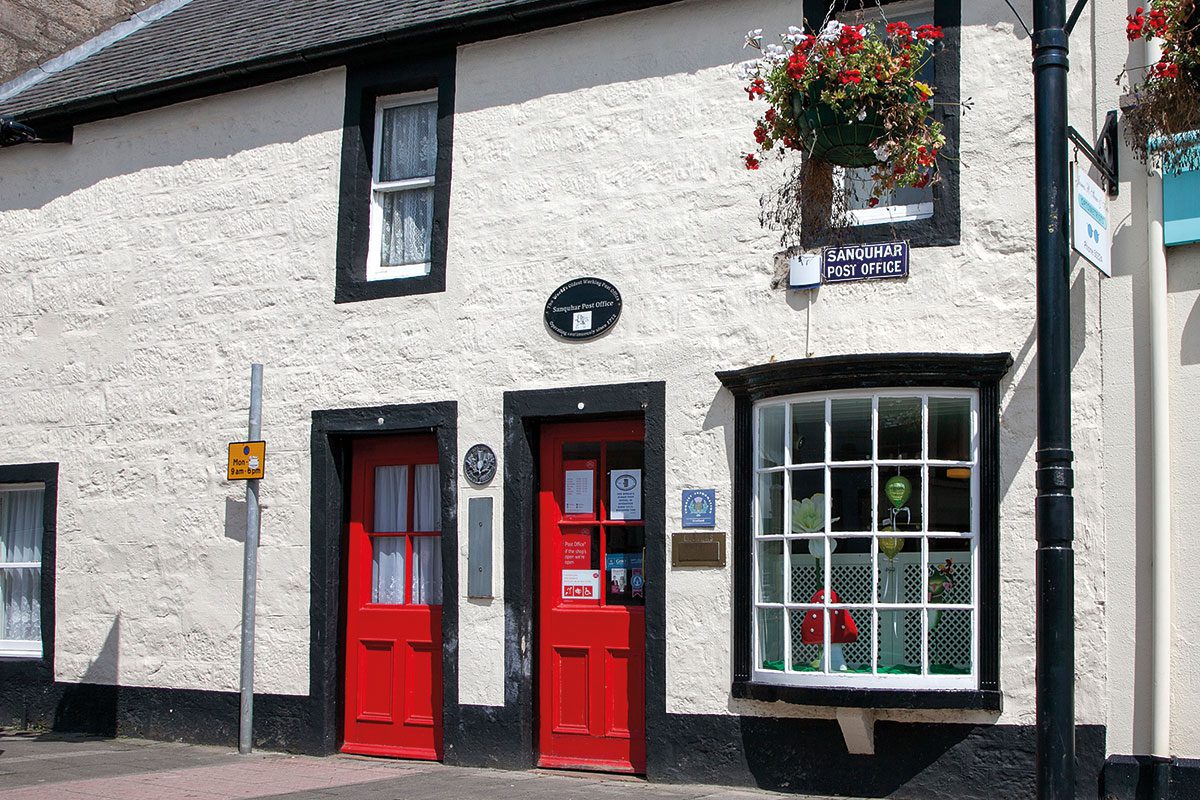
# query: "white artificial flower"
883, 152
754, 39
832, 31
748, 69
862, 115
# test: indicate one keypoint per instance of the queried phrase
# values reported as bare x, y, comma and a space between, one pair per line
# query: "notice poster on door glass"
618, 578
579, 487
580, 584
577, 550
625, 494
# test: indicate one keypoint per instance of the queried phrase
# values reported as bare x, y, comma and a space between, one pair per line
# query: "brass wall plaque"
698, 549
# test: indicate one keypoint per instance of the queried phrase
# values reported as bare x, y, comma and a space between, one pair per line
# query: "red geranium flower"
760, 134
848, 76
770, 115
751, 161
874, 201
901, 30
1136, 24
850, 39
1166, 69
757, 88
930, 32
796, 66
1157, 21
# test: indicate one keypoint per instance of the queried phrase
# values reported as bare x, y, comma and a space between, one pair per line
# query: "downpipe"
1160, 479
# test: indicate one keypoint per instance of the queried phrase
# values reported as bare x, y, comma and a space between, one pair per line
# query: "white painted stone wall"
1127, 443
146, 265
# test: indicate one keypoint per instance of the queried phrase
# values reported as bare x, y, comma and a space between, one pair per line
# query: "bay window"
866, 525
866, 530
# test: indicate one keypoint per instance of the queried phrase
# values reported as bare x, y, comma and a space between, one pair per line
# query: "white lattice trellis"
899, 633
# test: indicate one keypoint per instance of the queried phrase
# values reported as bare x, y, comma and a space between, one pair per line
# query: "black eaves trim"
925, 699
364, 85
866, 371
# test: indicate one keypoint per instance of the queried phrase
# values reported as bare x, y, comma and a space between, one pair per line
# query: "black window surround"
874, 371
47, 475
943, 229
365, 84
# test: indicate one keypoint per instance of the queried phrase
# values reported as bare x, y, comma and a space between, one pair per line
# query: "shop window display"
866, 526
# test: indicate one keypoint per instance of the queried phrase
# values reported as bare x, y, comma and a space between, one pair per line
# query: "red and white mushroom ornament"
842, 629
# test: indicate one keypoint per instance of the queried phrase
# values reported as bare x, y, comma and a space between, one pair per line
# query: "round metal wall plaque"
479, 465
583, 308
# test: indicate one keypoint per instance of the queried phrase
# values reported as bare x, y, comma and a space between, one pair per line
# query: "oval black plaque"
583, 308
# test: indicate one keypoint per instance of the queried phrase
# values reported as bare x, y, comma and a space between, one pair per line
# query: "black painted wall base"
920, 761
281, 722
1147, 778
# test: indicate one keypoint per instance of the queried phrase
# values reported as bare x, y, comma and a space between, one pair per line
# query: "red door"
592, 631
394, 600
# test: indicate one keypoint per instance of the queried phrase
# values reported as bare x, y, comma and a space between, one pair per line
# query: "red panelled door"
394, 600
592, 589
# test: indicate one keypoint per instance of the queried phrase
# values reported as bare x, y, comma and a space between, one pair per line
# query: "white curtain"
21, 542
427, 550
391, 499
407, 226
408, 148
387, 552
387, 569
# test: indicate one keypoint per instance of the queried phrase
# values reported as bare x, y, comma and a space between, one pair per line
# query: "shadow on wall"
209, 129
1186, 280
235, 519
90, 706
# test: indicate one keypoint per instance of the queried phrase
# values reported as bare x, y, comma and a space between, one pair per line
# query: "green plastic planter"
836, 137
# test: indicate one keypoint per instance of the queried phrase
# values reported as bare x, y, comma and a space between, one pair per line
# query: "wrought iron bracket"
1075, 12
1104, 154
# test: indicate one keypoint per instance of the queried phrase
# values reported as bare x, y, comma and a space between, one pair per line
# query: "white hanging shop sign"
1091, 235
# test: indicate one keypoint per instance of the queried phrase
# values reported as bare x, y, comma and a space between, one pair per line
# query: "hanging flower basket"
834, 135
848, 96
1161, 123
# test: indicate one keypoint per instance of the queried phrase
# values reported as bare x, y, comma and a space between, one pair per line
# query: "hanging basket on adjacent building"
1162, 125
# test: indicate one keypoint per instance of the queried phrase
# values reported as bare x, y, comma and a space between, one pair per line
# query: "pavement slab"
64, 767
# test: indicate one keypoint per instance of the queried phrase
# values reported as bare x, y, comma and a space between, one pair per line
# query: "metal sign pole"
250, 574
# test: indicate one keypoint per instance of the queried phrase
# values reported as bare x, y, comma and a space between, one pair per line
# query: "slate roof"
204, 43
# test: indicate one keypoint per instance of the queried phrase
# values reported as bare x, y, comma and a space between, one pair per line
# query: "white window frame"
376, 270
20, 648
873, 680
893, 212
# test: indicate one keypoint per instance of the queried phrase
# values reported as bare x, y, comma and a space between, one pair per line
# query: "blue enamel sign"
699, 508
864, 262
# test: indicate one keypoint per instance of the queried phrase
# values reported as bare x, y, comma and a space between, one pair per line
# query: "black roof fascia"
418, 40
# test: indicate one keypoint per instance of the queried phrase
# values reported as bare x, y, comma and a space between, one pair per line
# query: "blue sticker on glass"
699, 508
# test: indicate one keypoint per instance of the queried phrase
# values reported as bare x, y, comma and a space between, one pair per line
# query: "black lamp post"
1055, 513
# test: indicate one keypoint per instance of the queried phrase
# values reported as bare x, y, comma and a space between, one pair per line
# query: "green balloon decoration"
898, 490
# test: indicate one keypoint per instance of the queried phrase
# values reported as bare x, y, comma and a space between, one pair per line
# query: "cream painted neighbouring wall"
146, 265
1127, 440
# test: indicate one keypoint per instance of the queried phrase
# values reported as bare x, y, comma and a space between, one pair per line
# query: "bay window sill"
854, 697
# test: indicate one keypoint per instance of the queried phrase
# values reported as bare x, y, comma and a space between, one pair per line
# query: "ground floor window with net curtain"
866, 520
21, 531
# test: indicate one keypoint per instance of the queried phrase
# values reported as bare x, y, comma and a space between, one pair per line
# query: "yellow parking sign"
247, 461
